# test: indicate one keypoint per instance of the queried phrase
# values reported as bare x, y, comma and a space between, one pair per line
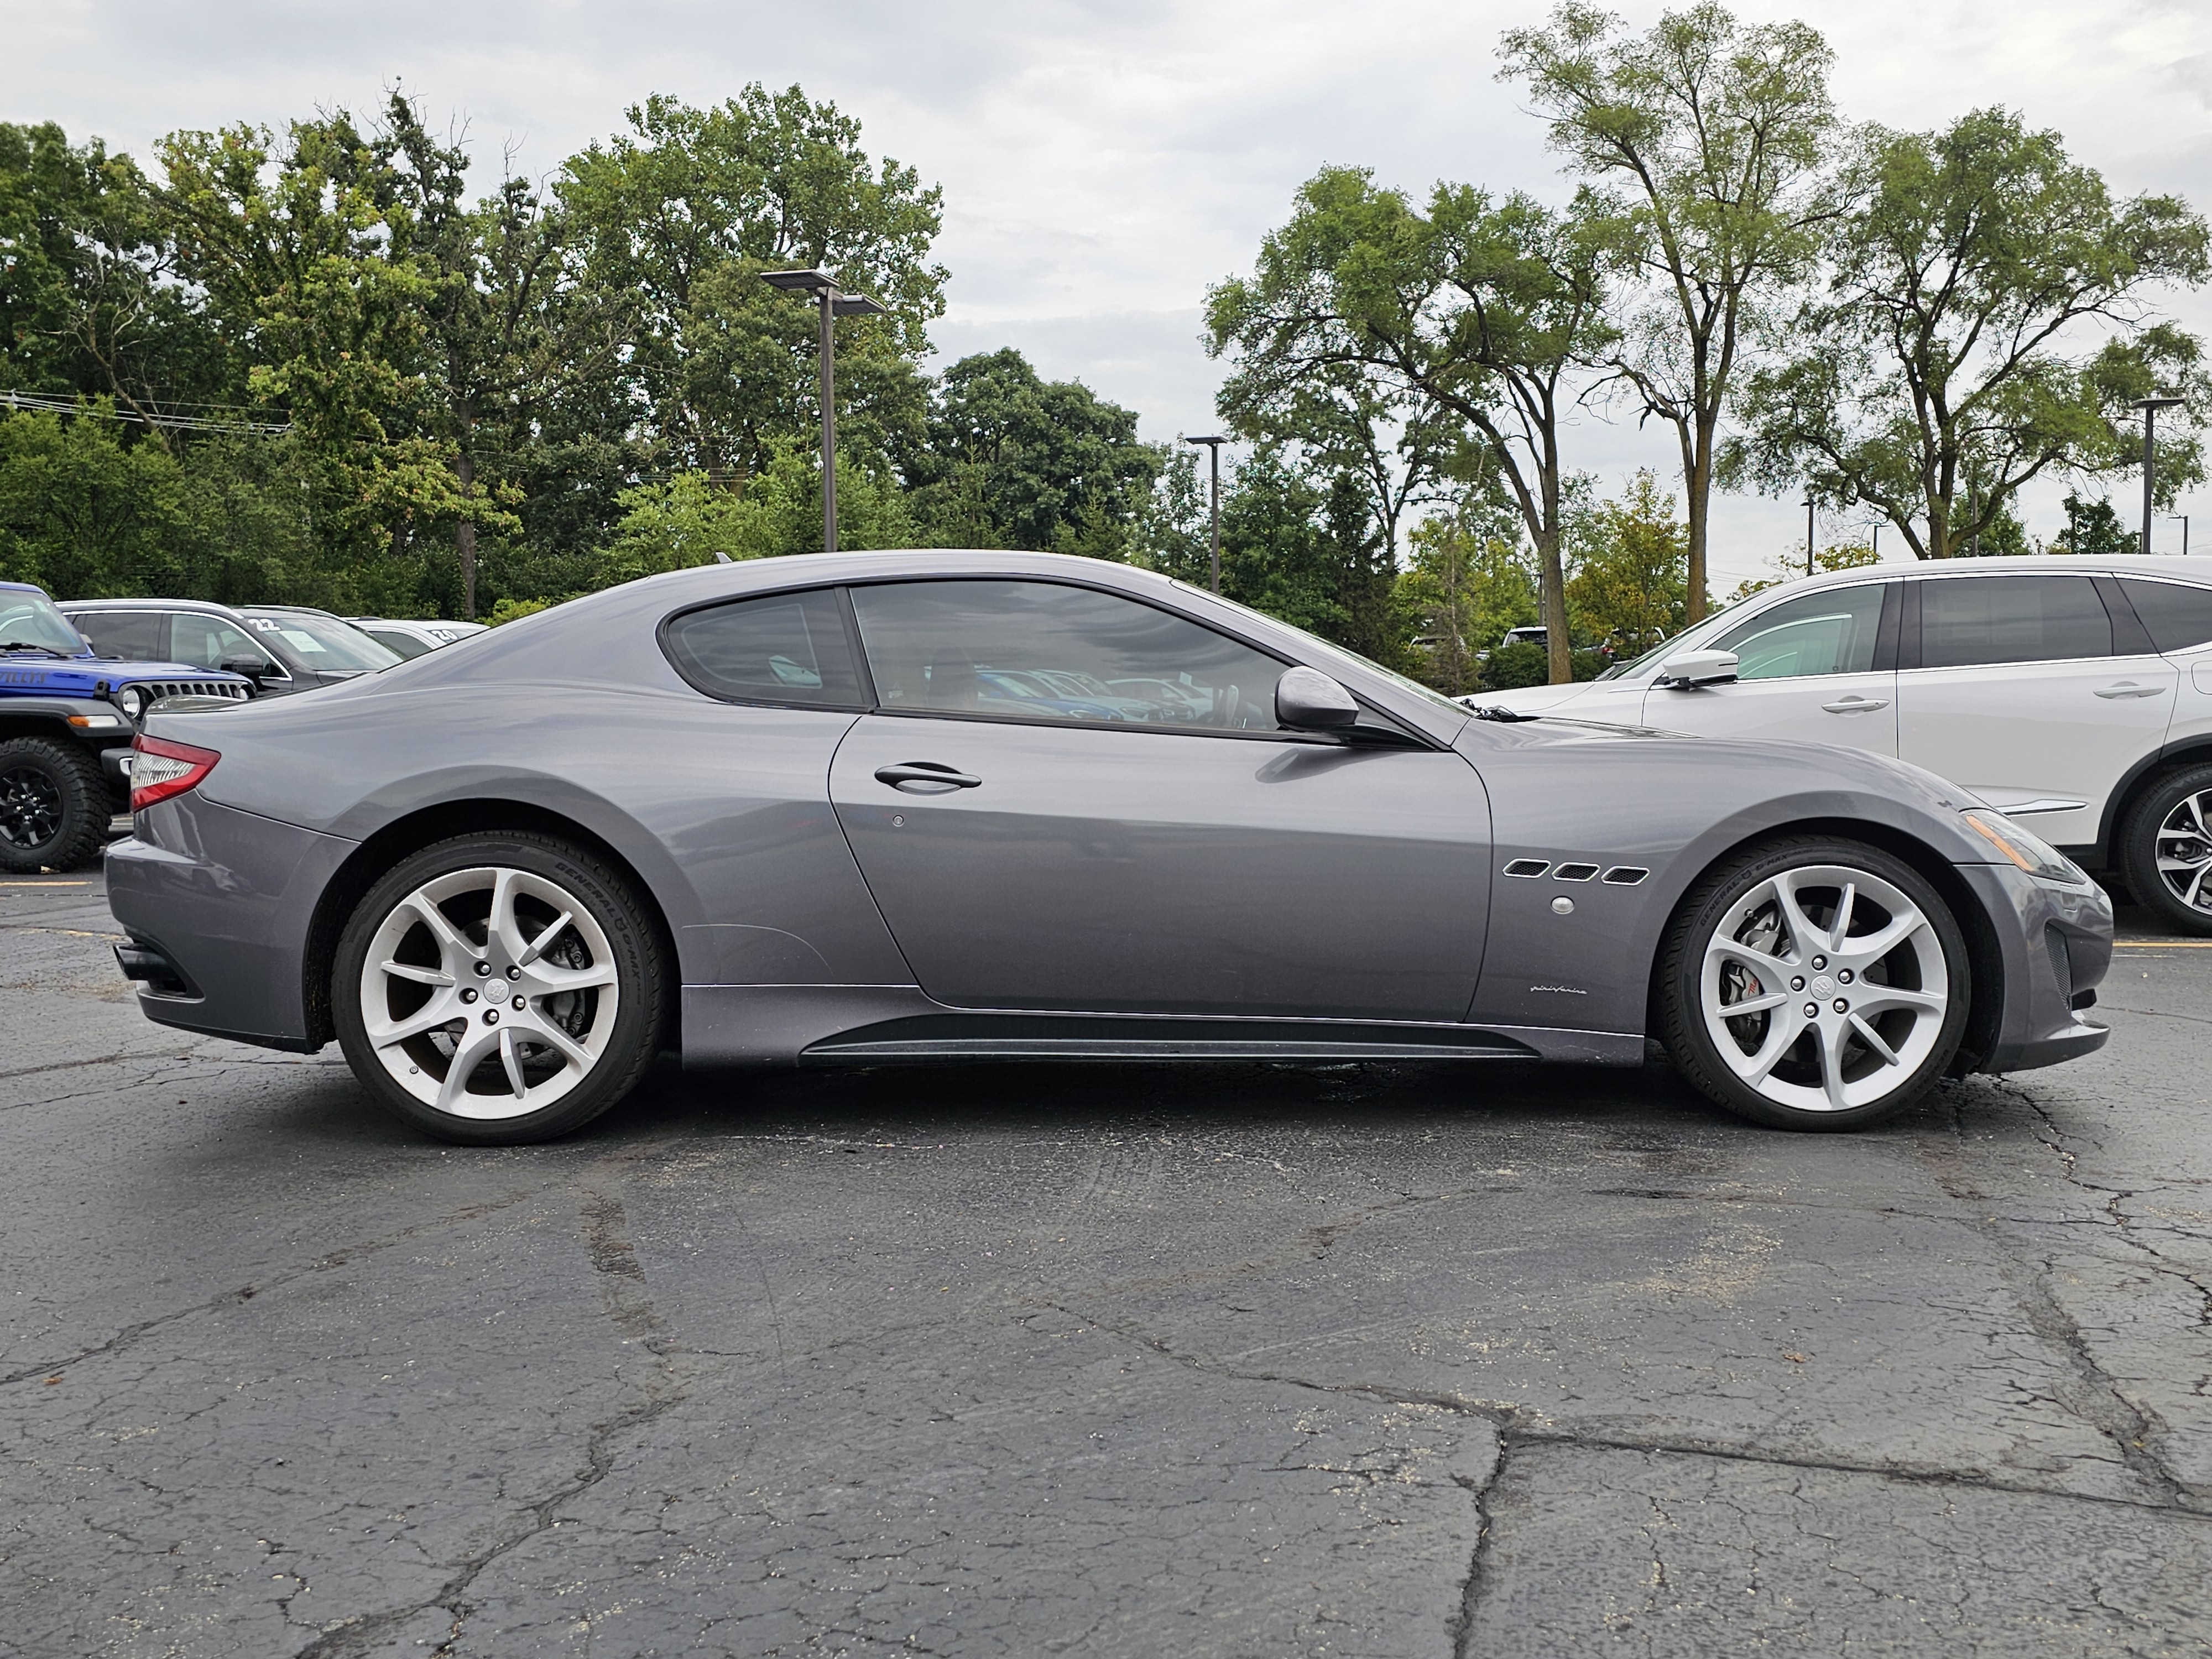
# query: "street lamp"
2150, 406
1213, 447
2184, 517
1809, 532
823, 287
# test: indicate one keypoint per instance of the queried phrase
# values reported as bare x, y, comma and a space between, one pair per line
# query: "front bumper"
228, 899
2056, 944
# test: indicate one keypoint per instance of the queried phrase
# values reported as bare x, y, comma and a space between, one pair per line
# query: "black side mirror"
252, 667
1307, 700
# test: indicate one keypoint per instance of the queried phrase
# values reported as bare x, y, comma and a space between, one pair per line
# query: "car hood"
1620, 701
84, 677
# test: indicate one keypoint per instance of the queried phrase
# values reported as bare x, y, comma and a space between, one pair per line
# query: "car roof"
207, 605
2169, 565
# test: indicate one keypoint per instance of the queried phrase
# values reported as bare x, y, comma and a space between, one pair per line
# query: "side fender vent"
1624, 875
1530, 868
1574, 872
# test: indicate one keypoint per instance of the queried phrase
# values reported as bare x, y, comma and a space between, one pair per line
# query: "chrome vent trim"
1624, 875
1574, 872
1530, 868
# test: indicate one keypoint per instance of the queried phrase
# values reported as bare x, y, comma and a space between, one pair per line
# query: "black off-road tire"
1677, 987
2138, 850
53, 805
622, 914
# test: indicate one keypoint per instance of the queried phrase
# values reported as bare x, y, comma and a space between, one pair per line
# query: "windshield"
1667, 646
324, 642
30, 619
1427, 694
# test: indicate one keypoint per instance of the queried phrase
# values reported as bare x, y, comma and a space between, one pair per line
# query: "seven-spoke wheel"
1814, 985
498, 988
2165, 850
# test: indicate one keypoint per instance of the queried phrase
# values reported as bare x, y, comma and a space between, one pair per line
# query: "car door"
2021, 689
1136, 858
208, 642
1819, 666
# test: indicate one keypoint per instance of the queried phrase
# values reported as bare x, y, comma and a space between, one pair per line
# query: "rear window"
2177, 614
782, 648
1970, 620
124, 635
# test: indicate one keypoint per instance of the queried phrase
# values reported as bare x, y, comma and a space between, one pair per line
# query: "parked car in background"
67, 722
2074, 694
785, 820
413, 639
281, 649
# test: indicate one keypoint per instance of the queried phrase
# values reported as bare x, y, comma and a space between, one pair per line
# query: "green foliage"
1509, 667
1630, 588
1464, 586
1845, 556
1983, 325
2094, 528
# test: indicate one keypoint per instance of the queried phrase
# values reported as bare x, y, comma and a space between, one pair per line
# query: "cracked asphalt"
1238, 1361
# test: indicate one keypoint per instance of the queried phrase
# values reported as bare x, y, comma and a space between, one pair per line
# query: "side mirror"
1307, 700
1695, 668
252, 667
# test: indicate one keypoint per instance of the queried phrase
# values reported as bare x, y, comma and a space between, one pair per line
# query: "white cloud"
1103, 162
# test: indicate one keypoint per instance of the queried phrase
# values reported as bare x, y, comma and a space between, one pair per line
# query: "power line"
49, 406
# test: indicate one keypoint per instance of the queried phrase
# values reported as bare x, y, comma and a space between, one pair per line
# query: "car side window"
1969, 620
2178, 615
1830, 632
125, 635
1045, 651
206, 641
781, 648
406, 645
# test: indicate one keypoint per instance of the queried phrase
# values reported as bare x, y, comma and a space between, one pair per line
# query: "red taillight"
159, 768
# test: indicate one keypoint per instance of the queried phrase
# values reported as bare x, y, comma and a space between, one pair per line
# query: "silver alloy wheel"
489, 993
2184, 848
1824, 989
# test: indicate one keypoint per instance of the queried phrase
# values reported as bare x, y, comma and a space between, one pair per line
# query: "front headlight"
131, 700
2033, 854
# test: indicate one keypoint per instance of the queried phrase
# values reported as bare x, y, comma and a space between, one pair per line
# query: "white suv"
2075, 694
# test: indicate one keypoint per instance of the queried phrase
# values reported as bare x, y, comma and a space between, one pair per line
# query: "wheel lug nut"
514, 973
483, 968
491, 1015
1819, 963
469, 995
1811, 1009
1842, 1007
520, 1005
1797, 983
1844, 978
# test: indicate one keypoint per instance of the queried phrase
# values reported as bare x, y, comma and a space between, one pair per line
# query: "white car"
2073, 693
413, 639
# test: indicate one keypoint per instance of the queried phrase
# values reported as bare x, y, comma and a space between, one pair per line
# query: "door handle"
2129, 689
1856, 705
925, 773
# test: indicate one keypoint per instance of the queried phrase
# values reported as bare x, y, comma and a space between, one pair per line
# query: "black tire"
609, 903
53, 805
1678, 988
2138, 850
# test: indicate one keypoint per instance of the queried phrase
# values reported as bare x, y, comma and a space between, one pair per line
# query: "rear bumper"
2056, 942
228, 899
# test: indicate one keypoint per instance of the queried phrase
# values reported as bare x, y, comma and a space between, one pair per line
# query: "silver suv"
280, 648
2074, 693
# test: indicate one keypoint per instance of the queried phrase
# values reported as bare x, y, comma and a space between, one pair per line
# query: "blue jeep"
67, 721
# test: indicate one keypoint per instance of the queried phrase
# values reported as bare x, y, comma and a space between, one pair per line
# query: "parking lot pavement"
1241, 1360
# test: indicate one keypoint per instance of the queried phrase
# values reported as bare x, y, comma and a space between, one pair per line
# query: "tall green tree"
1631, 582
1476, 311
1987, 321
678, 217
1707, 139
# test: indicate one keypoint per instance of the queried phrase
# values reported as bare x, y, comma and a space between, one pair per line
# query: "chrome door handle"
924, 773
2129, 689
1856, 705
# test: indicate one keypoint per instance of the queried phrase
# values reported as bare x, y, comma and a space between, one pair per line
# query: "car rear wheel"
1814, 985
53, 805
2166, 851
497, 990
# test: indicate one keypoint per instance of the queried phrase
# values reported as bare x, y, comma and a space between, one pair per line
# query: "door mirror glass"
1695, 668
1307, 700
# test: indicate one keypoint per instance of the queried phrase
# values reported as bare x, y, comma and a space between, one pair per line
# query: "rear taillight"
161, 768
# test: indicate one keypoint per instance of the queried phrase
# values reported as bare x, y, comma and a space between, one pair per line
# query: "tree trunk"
465, 535
1697, 485
1554, 603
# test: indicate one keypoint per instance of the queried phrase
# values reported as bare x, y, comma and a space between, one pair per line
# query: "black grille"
2062, 962
157, 689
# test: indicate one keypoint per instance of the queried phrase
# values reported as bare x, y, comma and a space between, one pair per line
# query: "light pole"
2184, 517
1214, 448
823, 287
2150, 406
1809, 532
1877, 541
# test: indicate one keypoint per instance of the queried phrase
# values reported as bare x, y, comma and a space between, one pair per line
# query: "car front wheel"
1814, 985
53, 805
497, 990
2166, 851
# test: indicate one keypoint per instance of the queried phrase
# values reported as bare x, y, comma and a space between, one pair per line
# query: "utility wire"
37, 402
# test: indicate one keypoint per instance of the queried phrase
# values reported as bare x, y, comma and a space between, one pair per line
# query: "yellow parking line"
45, 884
2162, 944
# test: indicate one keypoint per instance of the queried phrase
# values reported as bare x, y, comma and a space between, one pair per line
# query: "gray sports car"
777, 812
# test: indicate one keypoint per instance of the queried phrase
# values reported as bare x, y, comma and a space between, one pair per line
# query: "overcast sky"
1103, 163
